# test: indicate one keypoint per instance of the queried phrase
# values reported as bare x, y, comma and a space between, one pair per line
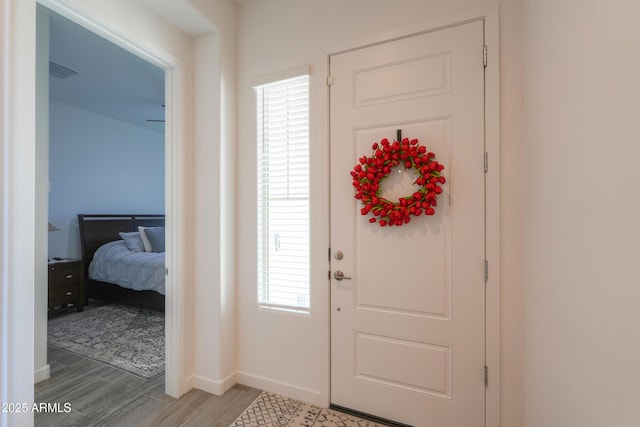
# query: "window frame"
263, 264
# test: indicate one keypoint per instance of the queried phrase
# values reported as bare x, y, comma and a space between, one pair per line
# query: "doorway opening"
80, 157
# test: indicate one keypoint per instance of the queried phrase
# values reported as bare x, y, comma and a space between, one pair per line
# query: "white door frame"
490, 15
174, 147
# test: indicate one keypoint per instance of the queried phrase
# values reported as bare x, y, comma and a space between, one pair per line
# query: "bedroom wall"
282, 34
99, 165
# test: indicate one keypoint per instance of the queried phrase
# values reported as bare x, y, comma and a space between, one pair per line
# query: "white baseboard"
284, 389
217, 387
42, 374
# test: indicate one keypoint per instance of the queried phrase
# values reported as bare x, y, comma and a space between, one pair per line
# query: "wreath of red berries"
370, 171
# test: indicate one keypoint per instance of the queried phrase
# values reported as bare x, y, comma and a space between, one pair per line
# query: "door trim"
490, 16
492, 221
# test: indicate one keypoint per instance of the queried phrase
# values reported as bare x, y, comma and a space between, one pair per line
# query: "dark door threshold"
367, 416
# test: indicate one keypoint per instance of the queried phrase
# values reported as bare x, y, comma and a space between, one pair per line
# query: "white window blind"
283, 194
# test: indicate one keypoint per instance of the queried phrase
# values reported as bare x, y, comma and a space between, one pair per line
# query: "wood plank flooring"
104, 396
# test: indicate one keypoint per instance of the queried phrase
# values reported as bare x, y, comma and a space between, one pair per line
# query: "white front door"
408, 319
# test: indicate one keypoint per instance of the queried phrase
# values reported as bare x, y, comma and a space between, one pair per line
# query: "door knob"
339, 275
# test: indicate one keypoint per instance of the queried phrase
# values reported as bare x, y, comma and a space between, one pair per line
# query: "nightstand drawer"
63, 278
63, 296
66, 286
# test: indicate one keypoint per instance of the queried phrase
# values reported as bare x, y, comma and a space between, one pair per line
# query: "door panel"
390, 244
392, 82
407, 331
416, 366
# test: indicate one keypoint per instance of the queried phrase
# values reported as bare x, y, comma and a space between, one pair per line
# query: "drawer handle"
69, 293
69, 276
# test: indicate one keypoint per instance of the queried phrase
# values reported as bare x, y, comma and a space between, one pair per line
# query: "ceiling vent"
60, 71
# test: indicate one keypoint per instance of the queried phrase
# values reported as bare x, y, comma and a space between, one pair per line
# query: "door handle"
339, 275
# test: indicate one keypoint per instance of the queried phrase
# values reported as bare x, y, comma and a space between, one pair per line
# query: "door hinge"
484, 56
486, 376
486, 162
166, 271
486, 271
329, 80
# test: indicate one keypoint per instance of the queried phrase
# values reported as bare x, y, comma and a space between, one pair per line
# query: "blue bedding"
114, 263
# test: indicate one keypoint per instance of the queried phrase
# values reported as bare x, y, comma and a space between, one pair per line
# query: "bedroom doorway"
152, 117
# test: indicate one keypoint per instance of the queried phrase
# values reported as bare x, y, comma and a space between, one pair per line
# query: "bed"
101, 242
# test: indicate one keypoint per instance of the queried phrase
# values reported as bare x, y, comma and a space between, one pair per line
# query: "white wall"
582, 235
214, 354
512, 385
289, 353
18, 207
99, 165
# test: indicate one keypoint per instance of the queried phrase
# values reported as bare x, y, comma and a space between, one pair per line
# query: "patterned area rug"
273, 410
128, 338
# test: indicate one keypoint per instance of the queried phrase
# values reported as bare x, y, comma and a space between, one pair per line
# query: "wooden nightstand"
66, 286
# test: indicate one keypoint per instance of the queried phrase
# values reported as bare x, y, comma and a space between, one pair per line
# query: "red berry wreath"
368, 174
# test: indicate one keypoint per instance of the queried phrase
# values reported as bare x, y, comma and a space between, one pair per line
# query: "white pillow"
145, 239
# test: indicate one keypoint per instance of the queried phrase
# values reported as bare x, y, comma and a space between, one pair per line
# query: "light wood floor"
104, 396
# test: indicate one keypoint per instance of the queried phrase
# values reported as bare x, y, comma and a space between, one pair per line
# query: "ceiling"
110, 81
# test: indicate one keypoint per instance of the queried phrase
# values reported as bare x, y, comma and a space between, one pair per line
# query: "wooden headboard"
96, 230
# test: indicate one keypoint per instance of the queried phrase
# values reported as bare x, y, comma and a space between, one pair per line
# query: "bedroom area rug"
128, 338
274, 410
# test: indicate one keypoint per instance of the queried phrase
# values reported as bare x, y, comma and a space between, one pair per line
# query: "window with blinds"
283, 194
